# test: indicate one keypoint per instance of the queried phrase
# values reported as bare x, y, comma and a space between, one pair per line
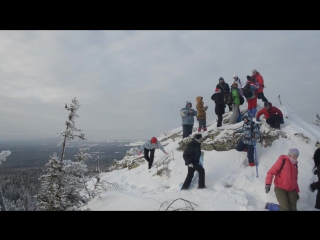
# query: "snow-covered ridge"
231, 183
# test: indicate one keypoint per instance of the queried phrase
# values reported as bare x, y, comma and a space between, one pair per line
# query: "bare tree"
188, 206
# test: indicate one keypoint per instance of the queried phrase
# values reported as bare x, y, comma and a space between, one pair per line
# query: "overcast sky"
132, 84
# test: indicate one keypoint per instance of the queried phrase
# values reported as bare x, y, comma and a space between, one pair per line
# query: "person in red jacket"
257, 76
286, 188
272, 114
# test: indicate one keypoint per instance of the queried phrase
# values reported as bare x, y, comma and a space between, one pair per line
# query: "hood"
247, 116
199, 99
270, 104
188, 103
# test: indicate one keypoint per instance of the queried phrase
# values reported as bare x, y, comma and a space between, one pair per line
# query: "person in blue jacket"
187, 114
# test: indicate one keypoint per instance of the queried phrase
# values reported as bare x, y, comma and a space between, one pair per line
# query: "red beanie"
154, 140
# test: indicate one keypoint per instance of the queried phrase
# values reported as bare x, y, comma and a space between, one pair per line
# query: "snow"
230, 183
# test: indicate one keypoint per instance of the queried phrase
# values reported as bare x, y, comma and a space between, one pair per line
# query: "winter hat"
221, 78
217, 90
247, 116
154, 140
293, 151
234, 85
248, 77
254, 71
235, 76
197, 136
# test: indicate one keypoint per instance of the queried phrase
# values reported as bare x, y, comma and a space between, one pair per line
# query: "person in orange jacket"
201, 114
285, 174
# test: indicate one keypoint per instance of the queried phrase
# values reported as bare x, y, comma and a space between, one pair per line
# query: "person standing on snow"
217, 97
316, 185
285, 173
187, 114
252, 101
250, 133
236, 103
237, 80
191, 156
150, 146
225, 89
201, 116
259, 79
272, 114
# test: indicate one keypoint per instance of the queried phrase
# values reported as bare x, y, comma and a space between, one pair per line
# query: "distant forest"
19, 174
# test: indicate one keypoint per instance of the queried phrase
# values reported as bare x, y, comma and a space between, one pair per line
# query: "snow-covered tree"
317, 120
4, 155
82, 155
70, 132
64, 186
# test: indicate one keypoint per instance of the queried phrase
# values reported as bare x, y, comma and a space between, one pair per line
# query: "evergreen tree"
317, 120
3, 157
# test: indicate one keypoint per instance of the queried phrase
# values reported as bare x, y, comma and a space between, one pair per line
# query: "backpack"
241, 99
229, 99
247, 91
283, 162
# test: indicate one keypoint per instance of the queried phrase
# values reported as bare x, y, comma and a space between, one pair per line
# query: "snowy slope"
231, 184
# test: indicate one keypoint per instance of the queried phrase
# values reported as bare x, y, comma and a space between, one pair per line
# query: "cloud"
132, 84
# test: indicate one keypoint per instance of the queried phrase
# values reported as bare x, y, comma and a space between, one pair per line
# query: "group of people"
285, 169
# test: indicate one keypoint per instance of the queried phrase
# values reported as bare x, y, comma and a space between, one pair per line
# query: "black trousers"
219, 122
261, 96
186, 130
187, 181
274, 121
146, 156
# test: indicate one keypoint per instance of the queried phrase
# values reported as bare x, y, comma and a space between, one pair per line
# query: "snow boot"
199, 129
204, 129
251, 164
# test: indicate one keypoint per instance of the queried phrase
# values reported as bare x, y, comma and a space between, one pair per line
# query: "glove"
282, 122
190, 165
267, 188
139, 153
311, 189
258, 119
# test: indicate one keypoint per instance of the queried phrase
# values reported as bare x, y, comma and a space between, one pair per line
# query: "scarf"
293, 161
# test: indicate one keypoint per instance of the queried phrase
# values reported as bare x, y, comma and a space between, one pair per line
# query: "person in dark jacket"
272, 114
217, 97
191, 156
316, 185
225, 89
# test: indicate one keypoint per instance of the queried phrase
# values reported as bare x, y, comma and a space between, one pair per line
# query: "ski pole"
255, 158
